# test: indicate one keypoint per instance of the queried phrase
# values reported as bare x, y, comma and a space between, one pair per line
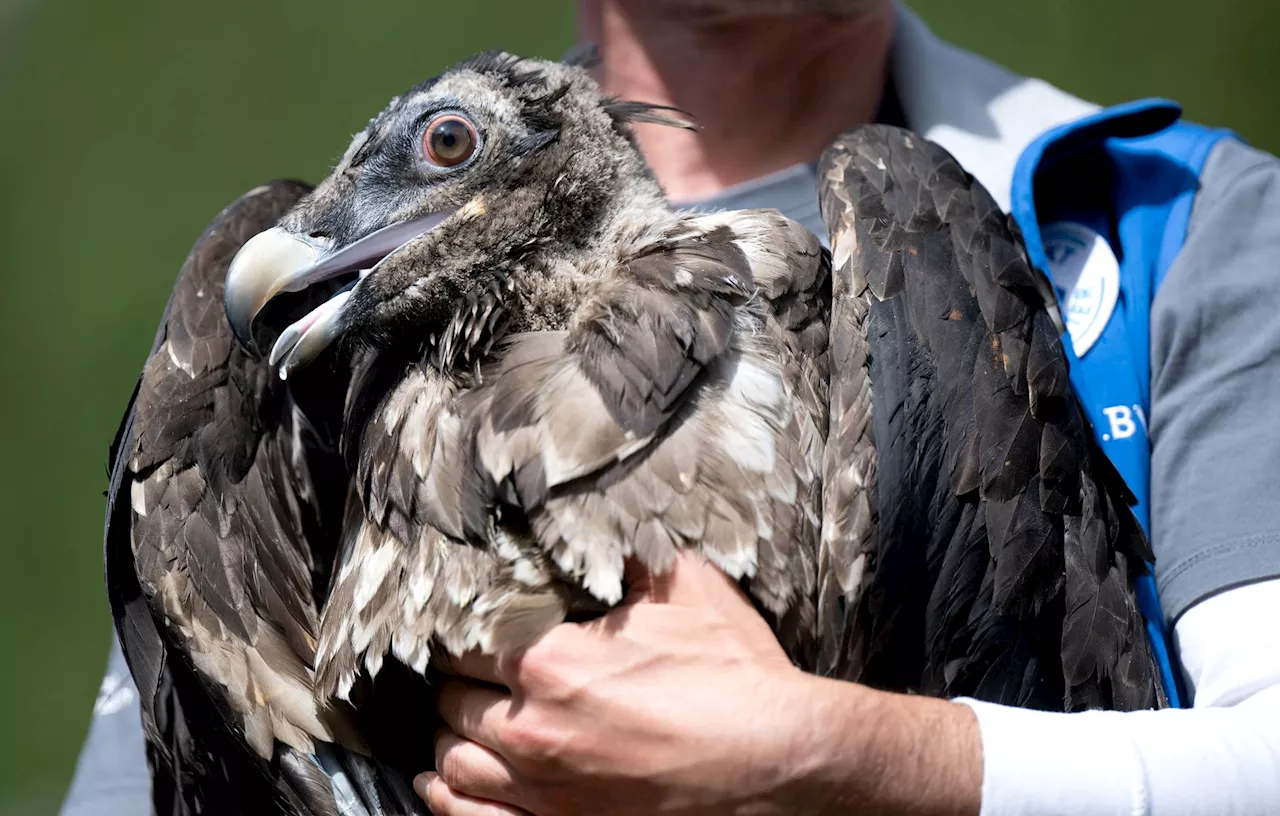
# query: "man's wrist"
875, 752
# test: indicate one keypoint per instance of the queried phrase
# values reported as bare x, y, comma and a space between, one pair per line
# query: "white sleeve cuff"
1056, 764
1220, 758
1189, 762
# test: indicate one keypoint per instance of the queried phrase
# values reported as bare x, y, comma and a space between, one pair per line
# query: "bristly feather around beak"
276, 261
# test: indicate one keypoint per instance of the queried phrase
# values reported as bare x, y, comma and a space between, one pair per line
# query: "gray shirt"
1215, 388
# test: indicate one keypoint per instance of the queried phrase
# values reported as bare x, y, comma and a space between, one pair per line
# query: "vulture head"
466, 208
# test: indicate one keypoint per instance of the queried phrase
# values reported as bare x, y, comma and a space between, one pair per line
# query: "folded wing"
219, 538
975, 539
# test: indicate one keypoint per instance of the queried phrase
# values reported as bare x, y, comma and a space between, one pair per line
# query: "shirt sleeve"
1219, 758
112, 777
1215, 387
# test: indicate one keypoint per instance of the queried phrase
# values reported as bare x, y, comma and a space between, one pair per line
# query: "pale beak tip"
286, 341
240, 317
302, 342
266, 264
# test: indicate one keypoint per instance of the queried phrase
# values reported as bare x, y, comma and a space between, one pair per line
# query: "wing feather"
974, 537
216, 554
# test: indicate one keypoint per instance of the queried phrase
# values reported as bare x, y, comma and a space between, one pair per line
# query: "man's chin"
760, 8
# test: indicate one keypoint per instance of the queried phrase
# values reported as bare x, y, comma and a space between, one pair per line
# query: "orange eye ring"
449, 140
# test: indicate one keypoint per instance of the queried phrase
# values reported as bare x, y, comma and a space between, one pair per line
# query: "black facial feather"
540, 115
582, 55
540, 111
371, 143
495, 62
627, 112
375, 131
533, 142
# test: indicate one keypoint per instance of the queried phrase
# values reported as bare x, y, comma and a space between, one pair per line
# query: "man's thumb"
690, 579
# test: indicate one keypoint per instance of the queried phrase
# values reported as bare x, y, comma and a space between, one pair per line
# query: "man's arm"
111, 776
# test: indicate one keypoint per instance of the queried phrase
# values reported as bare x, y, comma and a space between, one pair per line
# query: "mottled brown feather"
681, 405
217, 550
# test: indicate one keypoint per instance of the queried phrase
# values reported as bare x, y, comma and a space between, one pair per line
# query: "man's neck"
767, 92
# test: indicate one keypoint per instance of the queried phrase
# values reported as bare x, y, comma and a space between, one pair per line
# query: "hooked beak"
276, 261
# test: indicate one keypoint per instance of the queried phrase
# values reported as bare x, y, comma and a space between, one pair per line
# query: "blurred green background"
124, 126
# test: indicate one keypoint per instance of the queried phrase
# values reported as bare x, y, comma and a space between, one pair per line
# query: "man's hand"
678, 701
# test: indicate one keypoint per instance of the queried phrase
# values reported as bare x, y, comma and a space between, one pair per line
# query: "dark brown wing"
976, 542
222, 520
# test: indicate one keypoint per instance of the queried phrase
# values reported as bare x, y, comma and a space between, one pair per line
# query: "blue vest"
1128, 174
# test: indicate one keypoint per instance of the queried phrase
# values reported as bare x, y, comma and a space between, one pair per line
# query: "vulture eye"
448, 141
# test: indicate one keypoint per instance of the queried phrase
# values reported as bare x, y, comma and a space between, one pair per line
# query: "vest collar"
983, 114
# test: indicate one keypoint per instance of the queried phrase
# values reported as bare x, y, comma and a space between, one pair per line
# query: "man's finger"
444, 801
474, 711
473, 770
691, 580
480, 666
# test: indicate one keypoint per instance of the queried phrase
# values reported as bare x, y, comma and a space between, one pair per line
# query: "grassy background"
127, 125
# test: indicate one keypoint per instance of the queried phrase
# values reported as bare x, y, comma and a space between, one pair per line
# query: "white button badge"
1082, 265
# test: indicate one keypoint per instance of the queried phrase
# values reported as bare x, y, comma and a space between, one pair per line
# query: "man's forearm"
882, 753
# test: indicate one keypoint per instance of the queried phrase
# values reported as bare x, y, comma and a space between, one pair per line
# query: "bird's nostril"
319, 234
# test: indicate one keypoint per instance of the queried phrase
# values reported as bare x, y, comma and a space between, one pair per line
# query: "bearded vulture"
435, 404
